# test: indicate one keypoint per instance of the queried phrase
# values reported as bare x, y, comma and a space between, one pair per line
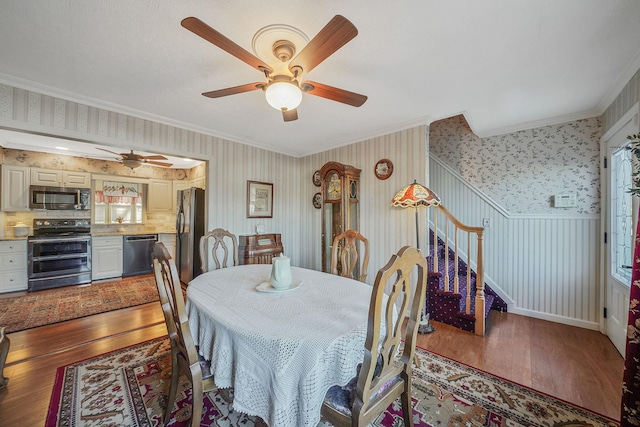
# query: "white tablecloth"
280, 353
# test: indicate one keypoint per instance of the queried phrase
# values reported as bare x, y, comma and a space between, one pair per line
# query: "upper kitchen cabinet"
15, 188
161, 196
58, 178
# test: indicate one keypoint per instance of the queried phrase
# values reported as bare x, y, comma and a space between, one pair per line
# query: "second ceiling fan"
283, 88
133, 160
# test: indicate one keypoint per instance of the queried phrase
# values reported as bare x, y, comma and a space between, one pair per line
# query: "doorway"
619, 212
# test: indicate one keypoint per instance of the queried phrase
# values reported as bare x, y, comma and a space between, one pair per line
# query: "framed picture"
259, 199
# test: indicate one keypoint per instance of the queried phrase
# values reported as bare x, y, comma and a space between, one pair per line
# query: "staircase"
450, 275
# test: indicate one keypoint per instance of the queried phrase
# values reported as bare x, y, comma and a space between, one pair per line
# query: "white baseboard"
555, 318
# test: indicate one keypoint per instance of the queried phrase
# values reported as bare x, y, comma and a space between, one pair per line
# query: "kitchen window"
118, 203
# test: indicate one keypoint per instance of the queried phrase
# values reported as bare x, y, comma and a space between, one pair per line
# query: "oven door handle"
58, 257
66, 239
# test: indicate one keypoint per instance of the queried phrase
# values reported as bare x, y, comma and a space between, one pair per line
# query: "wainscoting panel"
543, 266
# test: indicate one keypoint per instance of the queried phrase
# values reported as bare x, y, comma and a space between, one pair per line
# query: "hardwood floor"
577, 365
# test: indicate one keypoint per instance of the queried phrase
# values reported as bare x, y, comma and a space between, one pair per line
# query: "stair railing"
452, 226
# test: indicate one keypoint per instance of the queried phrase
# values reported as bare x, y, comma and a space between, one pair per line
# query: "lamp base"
425, 327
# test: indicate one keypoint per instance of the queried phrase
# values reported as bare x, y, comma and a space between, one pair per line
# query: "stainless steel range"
59, 253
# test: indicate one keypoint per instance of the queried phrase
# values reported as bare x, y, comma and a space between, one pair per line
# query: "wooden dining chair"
224, 249
385, 372
345, 255
184, 355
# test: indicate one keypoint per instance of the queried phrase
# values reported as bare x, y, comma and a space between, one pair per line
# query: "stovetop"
58, 227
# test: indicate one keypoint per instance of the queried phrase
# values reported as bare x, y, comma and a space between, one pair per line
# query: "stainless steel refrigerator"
190, 227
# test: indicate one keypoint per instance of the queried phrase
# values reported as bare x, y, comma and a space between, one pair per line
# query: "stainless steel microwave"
59, 198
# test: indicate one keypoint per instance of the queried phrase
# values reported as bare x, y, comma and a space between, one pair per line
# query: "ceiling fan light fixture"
131, 163
283, 96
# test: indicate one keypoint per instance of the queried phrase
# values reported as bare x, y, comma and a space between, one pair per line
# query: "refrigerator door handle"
180, 225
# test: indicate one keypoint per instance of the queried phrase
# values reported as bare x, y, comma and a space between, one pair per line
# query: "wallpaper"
71, 163
522, 171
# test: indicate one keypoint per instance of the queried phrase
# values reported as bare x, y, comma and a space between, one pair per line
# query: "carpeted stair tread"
447, 267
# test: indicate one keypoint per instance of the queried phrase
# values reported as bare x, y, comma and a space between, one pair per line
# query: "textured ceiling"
504, 64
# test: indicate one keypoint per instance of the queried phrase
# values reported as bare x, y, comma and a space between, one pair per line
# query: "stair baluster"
478, 311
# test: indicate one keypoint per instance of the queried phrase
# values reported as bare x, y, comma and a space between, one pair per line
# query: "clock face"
333, 187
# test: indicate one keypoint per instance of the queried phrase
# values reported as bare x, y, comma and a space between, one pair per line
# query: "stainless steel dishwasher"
136, 253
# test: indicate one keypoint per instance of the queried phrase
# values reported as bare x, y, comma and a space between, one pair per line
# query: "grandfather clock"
340, 188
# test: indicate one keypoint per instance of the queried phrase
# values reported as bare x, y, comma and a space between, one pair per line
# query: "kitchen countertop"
104, 233
130, 233
13, 238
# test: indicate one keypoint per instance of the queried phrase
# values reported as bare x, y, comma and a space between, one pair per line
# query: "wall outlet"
486, 222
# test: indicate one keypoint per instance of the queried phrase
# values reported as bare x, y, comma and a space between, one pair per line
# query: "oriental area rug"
49, 306
129, 387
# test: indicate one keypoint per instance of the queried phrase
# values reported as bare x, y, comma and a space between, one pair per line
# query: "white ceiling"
505, 64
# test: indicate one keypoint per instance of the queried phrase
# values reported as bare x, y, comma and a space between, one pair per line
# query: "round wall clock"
317, 200
317, 179
181, 174
383, 169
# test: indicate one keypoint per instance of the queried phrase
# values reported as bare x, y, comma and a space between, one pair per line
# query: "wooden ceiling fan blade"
333, 93
201, 29
234, 90
108, 151
290, 115
338, 32
155, 157
151, 162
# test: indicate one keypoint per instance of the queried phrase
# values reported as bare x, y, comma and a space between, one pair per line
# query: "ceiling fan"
283, 89
132, 160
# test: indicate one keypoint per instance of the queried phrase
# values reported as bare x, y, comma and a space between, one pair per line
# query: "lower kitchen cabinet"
106, 257
13, 265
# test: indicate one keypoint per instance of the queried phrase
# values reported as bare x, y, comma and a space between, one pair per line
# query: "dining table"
279, 350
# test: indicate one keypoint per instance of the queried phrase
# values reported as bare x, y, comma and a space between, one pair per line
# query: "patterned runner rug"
71, 302
129, 387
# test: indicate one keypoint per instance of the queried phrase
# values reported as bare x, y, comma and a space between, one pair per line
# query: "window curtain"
118, 192
630, 408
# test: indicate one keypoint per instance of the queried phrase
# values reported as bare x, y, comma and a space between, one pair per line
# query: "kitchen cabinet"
58, 178
13, 265
160, 197
182, 185
106, 257
198, 182
15, 188
169, 240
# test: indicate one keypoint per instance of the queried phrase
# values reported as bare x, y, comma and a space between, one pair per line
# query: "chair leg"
4, 351
407, 412
196, 405
173, 388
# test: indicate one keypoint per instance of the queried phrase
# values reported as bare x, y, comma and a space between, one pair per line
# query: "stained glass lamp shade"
412, 196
